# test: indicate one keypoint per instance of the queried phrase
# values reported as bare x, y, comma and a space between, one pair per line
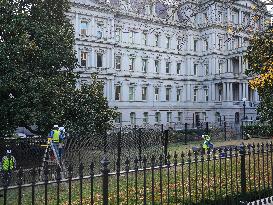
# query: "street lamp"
244, 104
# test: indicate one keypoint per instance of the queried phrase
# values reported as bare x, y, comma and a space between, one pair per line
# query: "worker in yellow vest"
8, 165
55, 137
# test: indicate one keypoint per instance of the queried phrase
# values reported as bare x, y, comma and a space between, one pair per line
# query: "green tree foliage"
37, 82
260, 58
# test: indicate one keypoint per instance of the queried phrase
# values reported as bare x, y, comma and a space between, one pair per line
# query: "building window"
168, 67
99, 60
178, 95
205, 16
144, 93
131, 64
118, 118
157, 117
131, 37
156, 94
145, 39
180, 116
178, 46
221, 44
178, 68
117, 93
145, 118
133, 118
195, 45
84, 26
99, 31
132, 91
206, 69
206, 95
118, 35
168, 94
84, 56
156, 40
118, 62
168, 42
195, 92
144, 65
195, 68
220, 68
169, 117
220, 17
206, 45
156, 66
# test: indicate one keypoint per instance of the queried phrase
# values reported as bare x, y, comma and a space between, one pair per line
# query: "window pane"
117, 93
99, 60
144, 93
118, 62
84, 59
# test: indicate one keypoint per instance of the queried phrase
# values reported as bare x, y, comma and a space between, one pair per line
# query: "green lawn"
219, 182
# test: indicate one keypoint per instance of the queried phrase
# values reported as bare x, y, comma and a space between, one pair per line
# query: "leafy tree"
260, 58
37, 82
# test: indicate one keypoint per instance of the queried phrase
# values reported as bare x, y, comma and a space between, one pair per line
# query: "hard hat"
61, 129
55, 126
8, 151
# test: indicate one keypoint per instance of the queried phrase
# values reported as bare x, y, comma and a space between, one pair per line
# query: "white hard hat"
8, 151
61, 129
55, 126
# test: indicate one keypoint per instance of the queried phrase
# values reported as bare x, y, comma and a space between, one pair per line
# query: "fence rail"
232, 175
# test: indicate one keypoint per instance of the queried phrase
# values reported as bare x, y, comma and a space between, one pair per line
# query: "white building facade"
159, 68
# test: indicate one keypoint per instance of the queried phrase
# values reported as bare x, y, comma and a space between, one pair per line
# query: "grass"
182, 185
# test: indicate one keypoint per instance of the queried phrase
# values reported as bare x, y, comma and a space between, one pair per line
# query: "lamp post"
244, 105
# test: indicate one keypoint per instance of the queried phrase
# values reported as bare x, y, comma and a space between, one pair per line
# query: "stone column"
231, 91
92, 63
77, 26
93, 27
240, 65
212, 91
247, 95
244, 90
224, 91
240, 92
188, 92
138, 94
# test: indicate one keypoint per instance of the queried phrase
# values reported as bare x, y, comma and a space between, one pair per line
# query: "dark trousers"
6, 178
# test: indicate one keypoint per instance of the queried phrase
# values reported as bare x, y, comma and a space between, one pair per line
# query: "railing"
233, 175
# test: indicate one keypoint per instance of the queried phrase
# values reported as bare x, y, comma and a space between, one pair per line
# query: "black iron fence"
118, 145
233, 175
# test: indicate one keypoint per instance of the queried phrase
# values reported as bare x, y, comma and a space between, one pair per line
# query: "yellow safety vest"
8, 163
56, 136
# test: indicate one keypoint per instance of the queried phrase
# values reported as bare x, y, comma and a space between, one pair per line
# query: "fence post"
225, 130
139, 145
186, 132
105, 179
207, 128
166, 139
243, 170
119, 149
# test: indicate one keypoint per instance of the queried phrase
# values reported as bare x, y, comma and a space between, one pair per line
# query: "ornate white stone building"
167, 65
